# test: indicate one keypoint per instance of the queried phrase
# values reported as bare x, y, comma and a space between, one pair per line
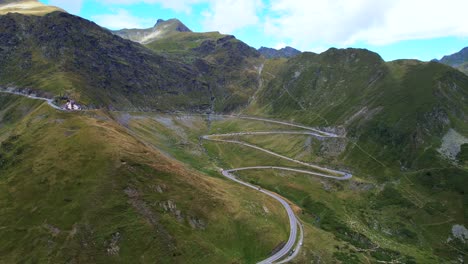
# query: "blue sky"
396, 29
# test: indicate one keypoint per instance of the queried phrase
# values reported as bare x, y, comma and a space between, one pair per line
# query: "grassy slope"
373, 217
227, 65
27, 7
71, 182
404, 105
187, 72
399, 220
182, 43
82, 60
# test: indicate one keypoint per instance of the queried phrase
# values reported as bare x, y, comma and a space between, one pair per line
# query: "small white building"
72, 106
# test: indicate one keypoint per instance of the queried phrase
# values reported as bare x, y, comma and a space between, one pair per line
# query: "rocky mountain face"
161, 29
82, 60
66, 54
457, 60
286, 52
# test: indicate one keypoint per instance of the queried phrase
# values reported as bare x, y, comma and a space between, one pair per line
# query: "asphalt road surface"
288, 251
49, 101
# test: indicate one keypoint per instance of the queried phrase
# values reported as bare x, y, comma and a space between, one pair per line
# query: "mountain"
401, 105
131, 179
160, 30
286, 52
229, 66
405, 124
81, 59
29, 7
457, 60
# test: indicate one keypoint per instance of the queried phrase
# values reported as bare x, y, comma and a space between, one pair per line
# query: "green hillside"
76, 187
80, 59
27, 7
230, 67
132, 179
403, 106
88, 63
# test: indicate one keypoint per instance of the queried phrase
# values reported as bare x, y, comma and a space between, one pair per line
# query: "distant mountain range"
165, 29
457, 60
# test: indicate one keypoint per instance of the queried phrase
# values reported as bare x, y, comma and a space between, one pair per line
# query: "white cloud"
177, 5
73, 7
310, 24
121, 19
280, 45
228, 16
307, 23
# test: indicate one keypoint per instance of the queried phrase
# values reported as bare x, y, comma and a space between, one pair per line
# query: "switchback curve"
286, 253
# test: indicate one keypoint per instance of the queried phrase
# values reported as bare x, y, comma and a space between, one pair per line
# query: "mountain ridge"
132, 177
159, 30
458, 60
286, 52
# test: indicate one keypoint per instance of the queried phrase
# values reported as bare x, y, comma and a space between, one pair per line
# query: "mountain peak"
160, 29
159, 22
173, 24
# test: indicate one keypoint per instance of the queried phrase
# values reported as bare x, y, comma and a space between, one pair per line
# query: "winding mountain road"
31, 96
286, 253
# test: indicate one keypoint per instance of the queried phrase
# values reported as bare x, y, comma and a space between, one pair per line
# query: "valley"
194, 147
184, 138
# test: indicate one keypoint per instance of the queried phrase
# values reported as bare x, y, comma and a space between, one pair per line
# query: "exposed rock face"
451, 144
460, 232
287, 52
113, 247
171, 207
196, 223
